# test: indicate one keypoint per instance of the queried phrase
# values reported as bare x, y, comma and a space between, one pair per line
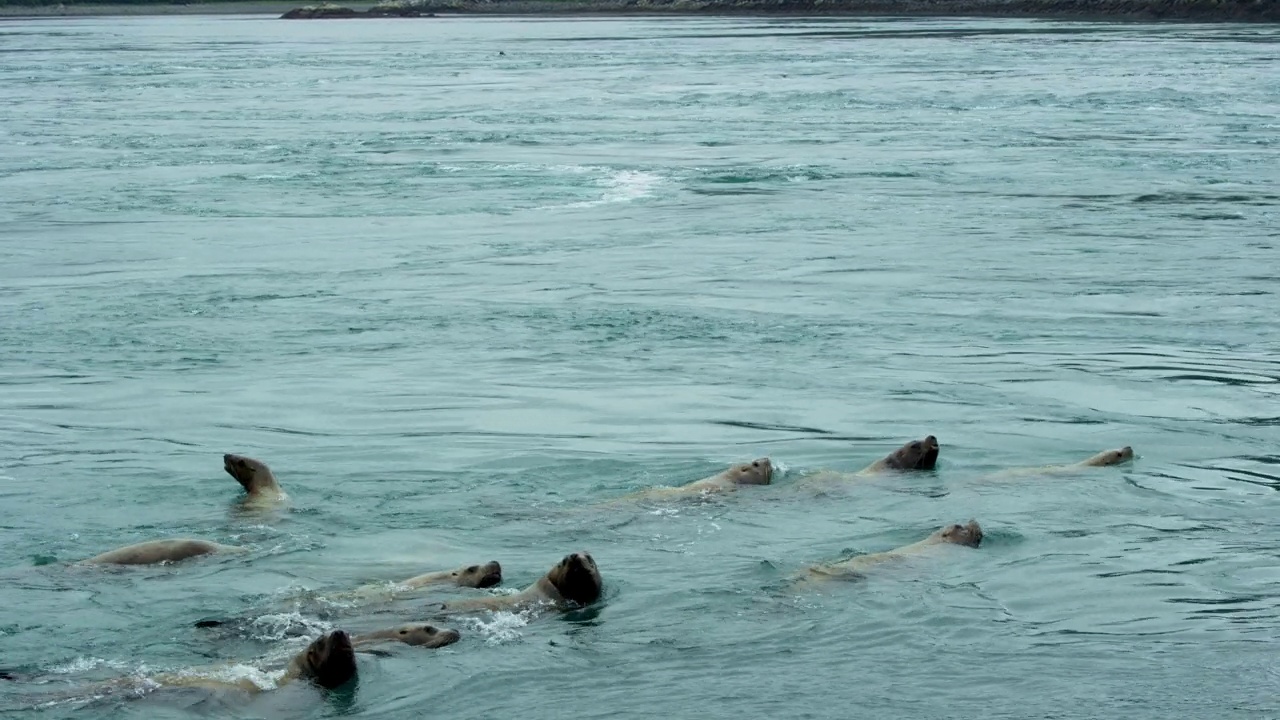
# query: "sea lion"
1105, 458
158, 551
756, 472
416, 634
328, 661
468, 576
471, 576
255, 477
914, 455
572, 583
969, 535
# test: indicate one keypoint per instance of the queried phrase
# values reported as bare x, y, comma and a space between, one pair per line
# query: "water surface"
456, 278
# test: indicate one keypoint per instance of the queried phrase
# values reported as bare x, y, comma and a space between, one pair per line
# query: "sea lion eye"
473, 568
404, 632
428, 630
755, 464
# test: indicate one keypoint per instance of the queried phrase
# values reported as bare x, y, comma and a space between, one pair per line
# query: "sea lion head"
478, 576
329, 661
970, 534
915, 455
1110, 457
756, 472
428, 636
252, 474
576, 578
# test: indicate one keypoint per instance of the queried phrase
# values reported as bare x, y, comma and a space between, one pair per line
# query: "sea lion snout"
577, 579
492, 574
339, 639
478, 576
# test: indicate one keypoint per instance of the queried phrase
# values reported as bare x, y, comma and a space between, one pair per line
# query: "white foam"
624, 186
234, 674
277, 626
85, 664
502, 626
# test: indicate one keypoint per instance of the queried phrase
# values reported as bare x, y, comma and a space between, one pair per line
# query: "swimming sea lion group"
573, 582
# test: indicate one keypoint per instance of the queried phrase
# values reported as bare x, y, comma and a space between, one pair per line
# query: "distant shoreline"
1267, 11
251, 7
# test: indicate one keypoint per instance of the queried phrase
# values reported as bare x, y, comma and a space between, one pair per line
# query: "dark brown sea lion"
329, 661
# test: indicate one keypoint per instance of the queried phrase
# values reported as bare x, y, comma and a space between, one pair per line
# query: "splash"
278, 626
85, 664
230, 674
624, 186
503, 626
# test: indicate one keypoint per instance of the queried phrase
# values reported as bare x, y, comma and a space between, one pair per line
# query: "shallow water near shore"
455, 280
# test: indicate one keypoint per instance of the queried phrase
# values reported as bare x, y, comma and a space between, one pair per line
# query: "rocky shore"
329, 11
1132, 10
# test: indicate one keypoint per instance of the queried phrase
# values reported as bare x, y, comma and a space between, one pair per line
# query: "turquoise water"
457, 279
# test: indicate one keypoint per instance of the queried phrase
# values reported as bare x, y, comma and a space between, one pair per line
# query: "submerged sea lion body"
969, 535
1106, 458
260, 485
756, 472
572, 583
158, 551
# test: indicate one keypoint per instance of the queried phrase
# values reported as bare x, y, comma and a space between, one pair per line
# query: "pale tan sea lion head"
756, 472
253, 475
1110, 457
428, 636
329, 661
969, 534
478, 576
915, 455
576, 578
